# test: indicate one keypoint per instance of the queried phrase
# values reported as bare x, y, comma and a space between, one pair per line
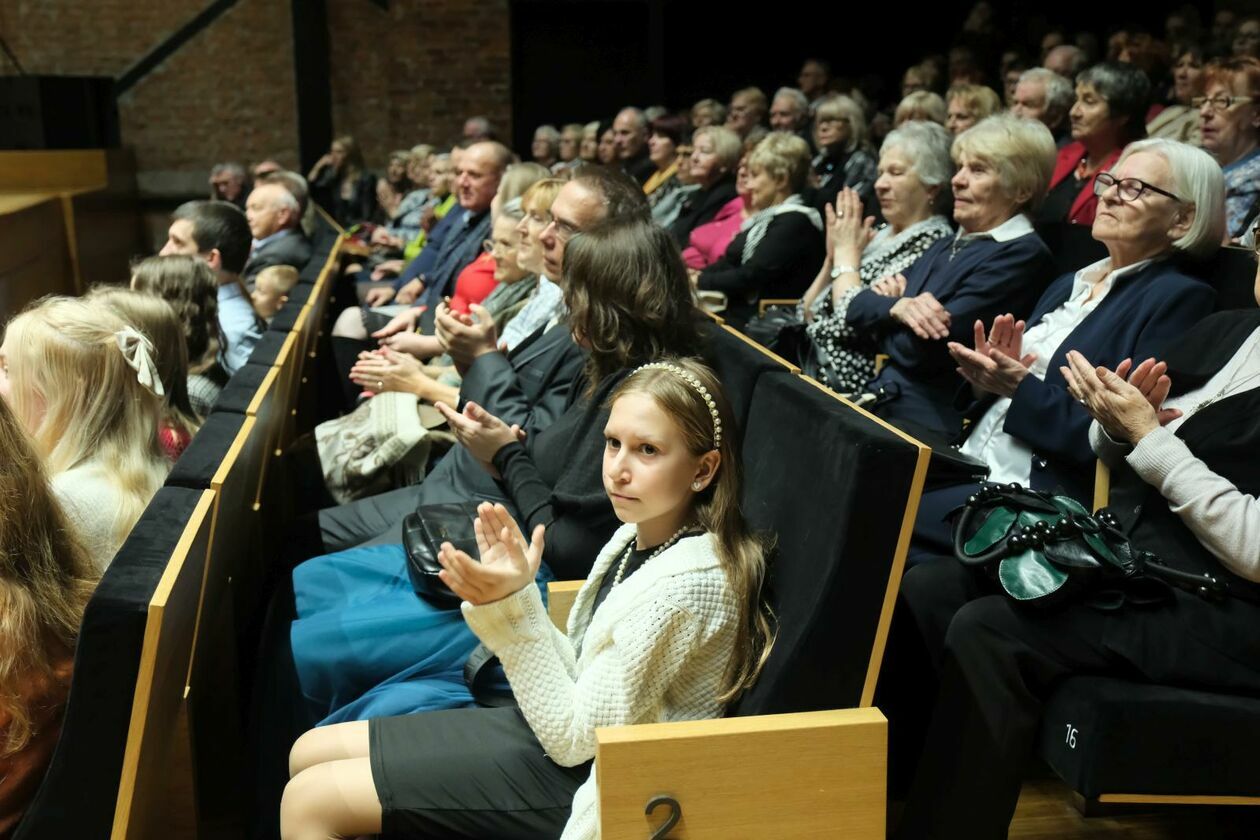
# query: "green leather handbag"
1043, 549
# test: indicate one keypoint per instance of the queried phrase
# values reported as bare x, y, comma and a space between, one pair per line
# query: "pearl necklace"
625, 556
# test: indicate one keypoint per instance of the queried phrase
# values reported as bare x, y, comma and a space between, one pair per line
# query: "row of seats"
150, 737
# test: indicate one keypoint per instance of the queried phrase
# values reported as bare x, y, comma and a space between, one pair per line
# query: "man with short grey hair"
789, 111
275, 217
1042, 94
630, 133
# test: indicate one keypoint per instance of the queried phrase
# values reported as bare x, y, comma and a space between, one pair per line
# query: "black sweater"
783, 266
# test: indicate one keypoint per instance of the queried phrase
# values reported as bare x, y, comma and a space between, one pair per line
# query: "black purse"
423, 534
1042, 550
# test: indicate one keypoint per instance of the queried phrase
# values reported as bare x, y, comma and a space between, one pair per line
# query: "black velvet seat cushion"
241, 388
1129, 737
738, 366
79, 791
267, 349
286, 318
831, 484
201, 460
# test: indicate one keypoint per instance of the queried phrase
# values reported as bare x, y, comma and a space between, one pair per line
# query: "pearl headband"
138, 352
698, 386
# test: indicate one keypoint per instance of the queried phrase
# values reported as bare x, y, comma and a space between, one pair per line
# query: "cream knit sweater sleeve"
623, 682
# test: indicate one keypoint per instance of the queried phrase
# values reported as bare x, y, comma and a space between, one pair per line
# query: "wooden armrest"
560, 597
881, 359
766, 303
1102, 485
798, 775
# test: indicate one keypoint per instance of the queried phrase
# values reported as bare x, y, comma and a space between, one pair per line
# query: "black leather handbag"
1043, 549
423, 534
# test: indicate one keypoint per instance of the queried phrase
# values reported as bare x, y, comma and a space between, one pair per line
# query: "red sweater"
1085, 205
474, 283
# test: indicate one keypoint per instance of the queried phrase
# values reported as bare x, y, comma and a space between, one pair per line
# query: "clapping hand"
923, 314
996, 365
1127, 410
508, 563
848, 233
463, 337
480, 432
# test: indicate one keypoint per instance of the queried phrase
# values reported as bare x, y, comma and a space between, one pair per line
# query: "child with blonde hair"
271, 289
86, 386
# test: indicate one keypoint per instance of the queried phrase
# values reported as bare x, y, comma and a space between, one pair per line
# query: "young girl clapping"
668, 626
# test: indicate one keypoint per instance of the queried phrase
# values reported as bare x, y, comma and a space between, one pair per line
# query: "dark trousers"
996, 662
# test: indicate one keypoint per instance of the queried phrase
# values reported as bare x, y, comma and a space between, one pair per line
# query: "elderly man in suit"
275, 219
529, 386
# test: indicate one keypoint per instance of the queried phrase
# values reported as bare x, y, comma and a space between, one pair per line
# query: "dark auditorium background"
215, 80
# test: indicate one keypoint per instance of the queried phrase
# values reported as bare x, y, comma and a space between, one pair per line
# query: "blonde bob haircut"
727, 146
782, 155
839, 106
82, 402
921, 105
1197, 179
980, 100
1021, 151
538, 196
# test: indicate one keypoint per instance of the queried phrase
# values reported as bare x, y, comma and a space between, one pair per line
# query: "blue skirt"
366, 646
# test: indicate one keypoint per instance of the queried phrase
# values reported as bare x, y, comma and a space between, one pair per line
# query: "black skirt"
474, 773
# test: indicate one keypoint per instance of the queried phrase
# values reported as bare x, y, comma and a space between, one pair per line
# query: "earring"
696, 485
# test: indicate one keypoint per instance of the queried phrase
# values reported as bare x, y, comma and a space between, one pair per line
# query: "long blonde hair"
45, 581
716, 508
82, 402
157, 319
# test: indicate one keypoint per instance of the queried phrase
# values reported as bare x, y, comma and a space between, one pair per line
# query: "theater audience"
478, 129
665, 135
1177, 436
780, 246
630, 135
912, 188
1161, 206
844, 158
157, 321
715, 153
341, 184
189, 285
693, 616
229, 182
589, 150
631, 302
1231, 134
996, 263
707, 243
99, 444
1246, 42
275, 223
271, 290
920, 105
967, 104
666, 209
606, 152
1110, 112
218, 233
1180, 119
814, 79
1068, 60
1044, 95
747, 111
46, 579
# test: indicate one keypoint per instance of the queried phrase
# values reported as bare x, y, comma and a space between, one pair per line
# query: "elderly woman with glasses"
844, 158
1180, 437
1230, 112
1161, 205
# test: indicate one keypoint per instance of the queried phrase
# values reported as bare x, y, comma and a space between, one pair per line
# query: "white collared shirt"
1013, 228
1008, 458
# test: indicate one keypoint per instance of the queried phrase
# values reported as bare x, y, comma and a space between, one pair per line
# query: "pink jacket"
709, 241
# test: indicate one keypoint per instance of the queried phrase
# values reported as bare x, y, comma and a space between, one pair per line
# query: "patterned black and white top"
846, 358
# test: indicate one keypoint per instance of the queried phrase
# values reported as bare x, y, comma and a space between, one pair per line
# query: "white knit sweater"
655, 651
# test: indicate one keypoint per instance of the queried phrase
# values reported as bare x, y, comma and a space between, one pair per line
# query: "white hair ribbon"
138, 352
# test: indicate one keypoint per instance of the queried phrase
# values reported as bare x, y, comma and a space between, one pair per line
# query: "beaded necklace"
625, 555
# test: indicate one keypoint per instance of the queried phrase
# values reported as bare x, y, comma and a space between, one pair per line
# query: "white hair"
1197, 180
800, 100
1059, 93
283, 199
926, 144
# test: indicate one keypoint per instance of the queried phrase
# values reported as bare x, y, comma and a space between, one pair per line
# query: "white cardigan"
655, 651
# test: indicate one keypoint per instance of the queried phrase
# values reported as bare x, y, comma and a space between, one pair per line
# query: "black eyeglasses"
1130, 188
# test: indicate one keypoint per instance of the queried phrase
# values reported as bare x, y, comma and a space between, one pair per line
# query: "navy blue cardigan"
1146, 312
984, 279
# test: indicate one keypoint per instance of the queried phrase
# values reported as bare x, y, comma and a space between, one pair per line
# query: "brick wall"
398, 77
